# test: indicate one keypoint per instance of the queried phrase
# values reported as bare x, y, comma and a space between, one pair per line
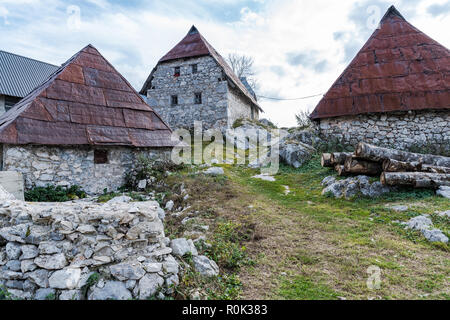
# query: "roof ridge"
28, 58
392, 11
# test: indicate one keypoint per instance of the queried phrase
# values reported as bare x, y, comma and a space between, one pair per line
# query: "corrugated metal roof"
85, 102
195, 45
399, 69
20, 75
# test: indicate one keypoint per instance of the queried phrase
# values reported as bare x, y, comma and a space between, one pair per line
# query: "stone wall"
397, 129
208, 81
67, 166
85, 250
239, 107
2, 104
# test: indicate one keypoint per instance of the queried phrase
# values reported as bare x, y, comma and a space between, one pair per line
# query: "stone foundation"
66, 166
401, 130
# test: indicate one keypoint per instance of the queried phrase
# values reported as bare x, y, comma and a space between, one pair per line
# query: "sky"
300, 47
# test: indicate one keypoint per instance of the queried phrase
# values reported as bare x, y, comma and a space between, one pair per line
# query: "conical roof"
85, 102
398, 69
195, 45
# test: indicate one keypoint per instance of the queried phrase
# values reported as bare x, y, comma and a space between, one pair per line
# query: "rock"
444, 191
118, 200
70, 295
264, 177
29, 252
205, 266
214, 171
13, 265
328, 181
87, 229
161, 214
400, 208
65, 279
39, 277
169, 205
181, 247
51, 262
377, 189
353, 186
296, 153
335, 189
267, 123
444, 214
48, 247
13, 251
142, 184
170, 266
149, 285
152, 267
419, 223
45, 294
27, 266
351, 190
19, 294
127, 271
171, 283
435, 235
14, 284
112, 290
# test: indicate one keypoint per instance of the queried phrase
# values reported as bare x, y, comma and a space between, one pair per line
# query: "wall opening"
100, 156
1, 157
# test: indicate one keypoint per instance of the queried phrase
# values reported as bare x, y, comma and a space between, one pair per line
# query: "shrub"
54, 194
303, 120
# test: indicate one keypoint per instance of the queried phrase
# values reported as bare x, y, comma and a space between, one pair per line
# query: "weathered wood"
340, 169
415, 179
391, 165
326, 160
358, 166
339, 157
374, 153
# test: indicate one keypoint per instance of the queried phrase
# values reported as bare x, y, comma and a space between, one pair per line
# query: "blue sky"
300, 46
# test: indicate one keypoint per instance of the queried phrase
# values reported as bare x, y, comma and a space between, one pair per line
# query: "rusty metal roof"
20, 75
85, 102
195, 45
398, 69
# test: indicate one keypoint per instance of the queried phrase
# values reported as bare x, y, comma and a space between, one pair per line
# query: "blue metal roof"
20, 75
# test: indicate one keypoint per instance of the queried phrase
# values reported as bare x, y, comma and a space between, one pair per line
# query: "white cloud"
134, 38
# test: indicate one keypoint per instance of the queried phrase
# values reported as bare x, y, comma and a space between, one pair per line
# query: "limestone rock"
45, 294
214, 171
70, 295
149, 285
419, 223
205, 266
169, 205
444, 192
296, 153
65, 279
435, 235
127, 271
112, 290
51, 262
29, 252
39, 277
13, 251
182, 246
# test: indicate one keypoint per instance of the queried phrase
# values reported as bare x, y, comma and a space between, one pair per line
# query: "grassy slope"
307, 246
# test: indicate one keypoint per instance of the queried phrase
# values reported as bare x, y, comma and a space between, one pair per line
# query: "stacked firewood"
395, 167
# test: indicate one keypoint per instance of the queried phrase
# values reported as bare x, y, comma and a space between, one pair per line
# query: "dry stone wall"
239, 108
67, 166
85, 250
401, 130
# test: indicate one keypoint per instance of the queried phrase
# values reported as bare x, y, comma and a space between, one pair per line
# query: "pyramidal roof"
85, 102
398, 69
195, 45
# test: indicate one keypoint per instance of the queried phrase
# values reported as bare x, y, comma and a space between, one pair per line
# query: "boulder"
182, 246
120, 199
444, 191
112, 290
435, 235
328, 181
296, 153
214, 171
205, 266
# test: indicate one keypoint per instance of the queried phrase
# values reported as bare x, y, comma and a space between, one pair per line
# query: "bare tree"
303, 119
242, 66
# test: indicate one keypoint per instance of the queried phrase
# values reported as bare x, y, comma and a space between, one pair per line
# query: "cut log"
392, 165
326, 160
339, 157
340, 169
415, 179
374, 153
358, 166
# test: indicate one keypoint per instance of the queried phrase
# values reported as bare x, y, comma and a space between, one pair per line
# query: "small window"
177, 72
100, 156
198, 98
174, 100
10, 102
194, 68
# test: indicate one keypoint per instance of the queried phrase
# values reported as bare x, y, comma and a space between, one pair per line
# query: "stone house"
85, 125
194, 82
395, 92
19, 76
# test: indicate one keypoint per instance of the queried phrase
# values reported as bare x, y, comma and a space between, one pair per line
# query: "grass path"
312, 247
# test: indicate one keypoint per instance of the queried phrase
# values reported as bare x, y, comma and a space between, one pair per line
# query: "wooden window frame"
174, 100
198, 99
101, 156
177, 71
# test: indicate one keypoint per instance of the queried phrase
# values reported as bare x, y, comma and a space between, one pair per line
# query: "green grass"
302, 288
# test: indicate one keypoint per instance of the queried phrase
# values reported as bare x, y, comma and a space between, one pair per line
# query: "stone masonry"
65, 166
397, 129
221, 104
